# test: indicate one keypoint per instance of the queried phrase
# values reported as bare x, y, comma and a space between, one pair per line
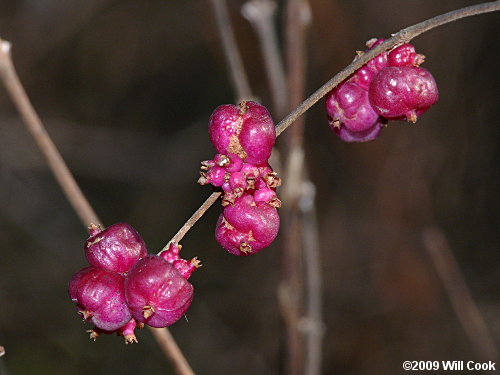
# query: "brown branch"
403, 36
171, 350
460, 296
400, 37
54, 159
67, 182
193, 219
233, 58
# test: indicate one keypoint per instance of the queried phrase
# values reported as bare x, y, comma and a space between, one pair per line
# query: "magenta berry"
405, 55
157, 293
116, 248
100, 298
246, 130
403, 92
348, 106
363, 136
247, 226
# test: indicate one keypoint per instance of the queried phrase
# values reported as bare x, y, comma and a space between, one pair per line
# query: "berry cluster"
390, 86
125, 288
243, 136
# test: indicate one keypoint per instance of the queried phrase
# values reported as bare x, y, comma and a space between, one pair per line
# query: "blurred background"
126, 88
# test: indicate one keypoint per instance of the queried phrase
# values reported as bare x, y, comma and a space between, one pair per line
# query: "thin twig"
67, 182
312, 324
400, 37
54, 159
193, 219
171, 350
403, 36
460, 296
260, 13
239, 77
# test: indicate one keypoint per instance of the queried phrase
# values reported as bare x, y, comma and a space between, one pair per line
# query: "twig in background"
54, 159
457, 290
260, 13
312, 323
67, 182
237, 71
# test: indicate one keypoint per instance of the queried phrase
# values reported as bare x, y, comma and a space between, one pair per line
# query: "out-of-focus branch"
54, 159
261, 13
67, 182
238, 75
171, 350
460, 296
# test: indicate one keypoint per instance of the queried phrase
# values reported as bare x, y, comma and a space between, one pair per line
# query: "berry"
403, 92
348, 105
363, 136
100, 297
405, 55
247, 226
246, 130
157, 293
116, 248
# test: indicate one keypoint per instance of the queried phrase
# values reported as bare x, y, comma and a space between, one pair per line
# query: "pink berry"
403, 92
100, 297
116, 248
247, 226
405, 55
157, 294
363, 136
246, 130
348, 106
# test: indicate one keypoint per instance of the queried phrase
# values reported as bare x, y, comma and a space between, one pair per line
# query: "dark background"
126, 89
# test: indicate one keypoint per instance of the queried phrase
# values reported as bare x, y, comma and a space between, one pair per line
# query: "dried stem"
171, 350
460, 296
260, 13
54, 159
67, 182
193, 219
402, 36
239, 77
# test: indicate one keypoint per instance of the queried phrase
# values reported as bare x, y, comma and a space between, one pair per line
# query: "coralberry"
247, 226
116, 248
403, 92
100, 297
157, 293
390, 86
246, 130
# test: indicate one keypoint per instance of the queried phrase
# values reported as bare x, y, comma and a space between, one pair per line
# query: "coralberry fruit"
247, 226
116, 248
403, 92
348, 106
157, 293
246, 130
100, 297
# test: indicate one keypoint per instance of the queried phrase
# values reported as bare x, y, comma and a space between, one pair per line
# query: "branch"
401, 37
54, 159
459, 293
67, 182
